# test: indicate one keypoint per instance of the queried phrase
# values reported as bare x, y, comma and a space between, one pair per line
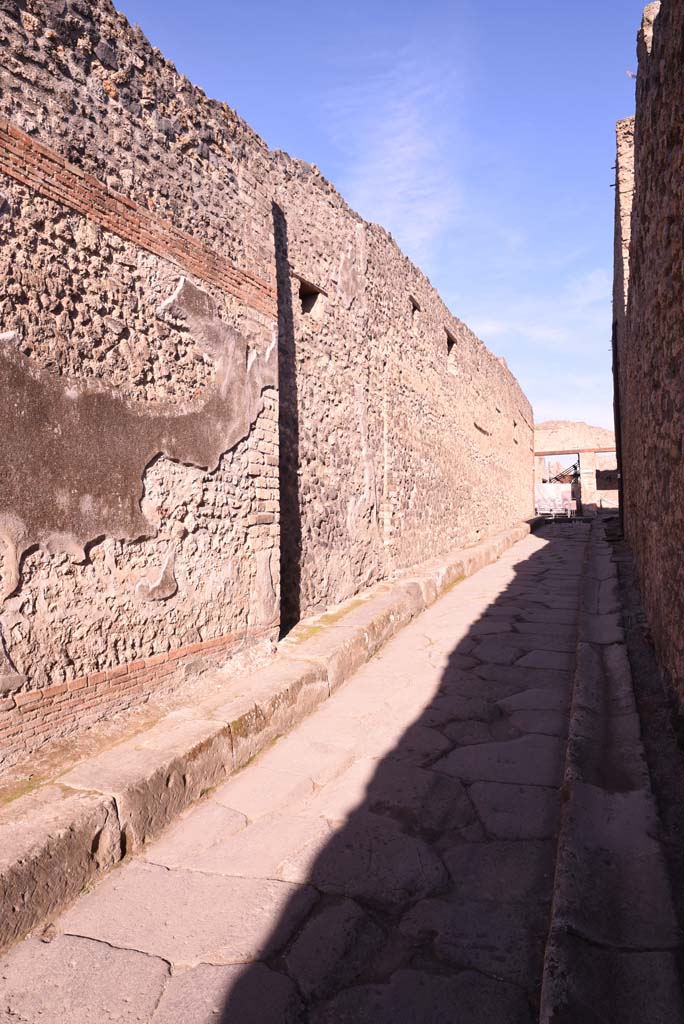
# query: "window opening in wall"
415, 318
310, 297
451, 351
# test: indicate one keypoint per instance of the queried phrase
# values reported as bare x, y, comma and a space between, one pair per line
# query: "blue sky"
480, 134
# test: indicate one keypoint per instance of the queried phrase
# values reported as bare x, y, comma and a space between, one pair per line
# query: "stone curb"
611, 953
65, 835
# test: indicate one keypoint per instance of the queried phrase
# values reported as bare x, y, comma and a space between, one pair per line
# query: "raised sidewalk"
67, 833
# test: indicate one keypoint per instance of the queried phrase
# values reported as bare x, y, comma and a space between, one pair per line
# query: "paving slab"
374, 861
333, 948
262, 791
531, 760
203, 827
256, 996
502, 940
268, 848
516, 812
415, 997
502, 871
78, 981
420, 799
188, 917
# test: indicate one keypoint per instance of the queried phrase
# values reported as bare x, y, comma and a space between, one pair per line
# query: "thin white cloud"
392, 124
559, 347
571, 321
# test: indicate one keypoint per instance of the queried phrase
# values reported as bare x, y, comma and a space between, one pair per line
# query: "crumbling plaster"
146, 494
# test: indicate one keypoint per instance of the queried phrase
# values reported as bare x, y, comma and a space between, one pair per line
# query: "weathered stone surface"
209, 995
374, 861
156, 775
269, 703
79, 832
647, 336
498, 653
526, 677
188, 918
553, 660
503, 940
80, 981
262, 791
186, 430
552, 699
422, 800
318, 761
372, 837
594, 985
414, 997
614, 851
516, 812
269, 848
205, 826
543, 721
333, 948
530, 760
502, 871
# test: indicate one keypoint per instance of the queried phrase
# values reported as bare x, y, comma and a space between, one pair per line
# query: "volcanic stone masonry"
648, 335
228, 400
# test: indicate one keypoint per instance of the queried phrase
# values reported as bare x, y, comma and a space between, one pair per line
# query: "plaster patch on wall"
163, 586
77, 452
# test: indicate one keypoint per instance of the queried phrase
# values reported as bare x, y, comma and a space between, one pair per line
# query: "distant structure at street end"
575, 468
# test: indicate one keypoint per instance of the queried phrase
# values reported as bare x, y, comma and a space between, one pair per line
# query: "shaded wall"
162, 271
650, 334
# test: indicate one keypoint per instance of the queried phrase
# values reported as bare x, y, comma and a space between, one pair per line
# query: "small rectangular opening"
451, 351
415, 306
309, 296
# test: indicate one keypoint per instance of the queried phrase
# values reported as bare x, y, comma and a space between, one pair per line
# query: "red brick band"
34, 716
48, 173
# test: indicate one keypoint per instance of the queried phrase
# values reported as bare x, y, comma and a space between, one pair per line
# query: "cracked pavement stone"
74, 980
531, 760
503, 940
188, 917
229, 995
333, 948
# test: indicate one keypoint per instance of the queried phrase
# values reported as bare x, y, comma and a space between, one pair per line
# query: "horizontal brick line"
96, 685
41, 169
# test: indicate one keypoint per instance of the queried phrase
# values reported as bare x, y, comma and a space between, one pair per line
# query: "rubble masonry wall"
216, 372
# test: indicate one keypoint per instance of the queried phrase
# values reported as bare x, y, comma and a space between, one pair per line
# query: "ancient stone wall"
176, 298
650, 340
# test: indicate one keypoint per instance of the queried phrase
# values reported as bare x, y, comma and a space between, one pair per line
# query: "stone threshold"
72, 829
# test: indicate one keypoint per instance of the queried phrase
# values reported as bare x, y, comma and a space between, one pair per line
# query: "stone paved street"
390, 860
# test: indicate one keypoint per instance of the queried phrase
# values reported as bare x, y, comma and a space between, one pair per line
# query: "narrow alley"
428, 845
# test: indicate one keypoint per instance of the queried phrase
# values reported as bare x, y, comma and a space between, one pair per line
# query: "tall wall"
650, 337
177, 298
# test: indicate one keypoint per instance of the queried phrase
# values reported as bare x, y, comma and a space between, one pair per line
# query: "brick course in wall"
30, 717
42, 169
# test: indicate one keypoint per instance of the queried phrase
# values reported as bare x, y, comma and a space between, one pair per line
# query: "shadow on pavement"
431, 899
